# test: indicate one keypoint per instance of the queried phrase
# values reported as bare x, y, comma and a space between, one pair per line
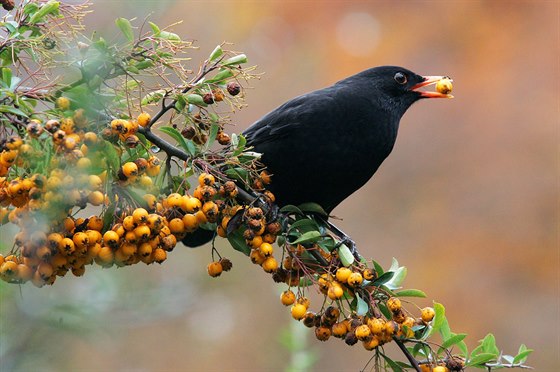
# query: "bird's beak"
429, 80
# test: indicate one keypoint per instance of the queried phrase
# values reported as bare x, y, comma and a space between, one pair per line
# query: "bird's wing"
289, 118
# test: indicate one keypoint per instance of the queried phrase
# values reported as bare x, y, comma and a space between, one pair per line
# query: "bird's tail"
198, 238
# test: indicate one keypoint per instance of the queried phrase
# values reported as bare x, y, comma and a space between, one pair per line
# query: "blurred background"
468, 200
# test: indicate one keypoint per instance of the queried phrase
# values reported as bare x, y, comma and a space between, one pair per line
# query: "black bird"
322, 146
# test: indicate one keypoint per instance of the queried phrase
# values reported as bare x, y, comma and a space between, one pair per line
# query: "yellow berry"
206, 179
342, 274
428, 314
62, 103
129, 169
266, 249
362, 332
215, 269
355, 279
394, 304
270, 265
143, 119
298, 311
288, 298
444, 86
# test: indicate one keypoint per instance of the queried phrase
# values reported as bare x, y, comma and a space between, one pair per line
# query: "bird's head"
398, 86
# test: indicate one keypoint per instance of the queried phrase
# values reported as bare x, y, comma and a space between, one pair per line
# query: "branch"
409, 356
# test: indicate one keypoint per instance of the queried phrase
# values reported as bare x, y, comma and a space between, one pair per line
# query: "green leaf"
187, 145
378, 268
48, 8
216, 53
290, 209
411, 293
212, 135
362, 307
383, 278
397, 279
7, 76
196, 99
522, 355
153, 97
385, 310
346, 257
489, 344
313, 208
455, 339
303, 225
236, 60
155, 28
238, 243
240, 146
111, 156
223, 74
394, 366
181, 102
439, 317
142, 65
12, 110
480, 359
237, 173
308, 237
125, 27
166, 35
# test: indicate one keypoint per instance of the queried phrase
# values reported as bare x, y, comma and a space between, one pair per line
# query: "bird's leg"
344, 239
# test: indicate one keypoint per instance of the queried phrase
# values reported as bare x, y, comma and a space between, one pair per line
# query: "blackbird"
322, 146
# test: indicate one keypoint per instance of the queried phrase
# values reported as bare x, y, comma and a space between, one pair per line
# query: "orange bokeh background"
468, 200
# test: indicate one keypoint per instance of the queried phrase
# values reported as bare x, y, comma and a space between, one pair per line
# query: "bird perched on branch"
323, 146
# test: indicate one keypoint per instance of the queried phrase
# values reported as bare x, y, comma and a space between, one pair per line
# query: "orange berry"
144, 250
323, 333
428, 313
355, 279
210, 210
298, 311
159, 255
24, 273
140, 216
176, 226
8, 270
266, 249
394, 304
205, 179
128, 223
342, 274
371, 343
288, 298
143, 119
105, 256
256, 257
111, 239
129, 169
339, 329
66, 246
95, 223
362, 332
214, 269
142, 233
270, 265
335, 291
190, 221
45, 270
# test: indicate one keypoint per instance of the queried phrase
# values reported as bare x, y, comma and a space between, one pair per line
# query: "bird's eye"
400, 78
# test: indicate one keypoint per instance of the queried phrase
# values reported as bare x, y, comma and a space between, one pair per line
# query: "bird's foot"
344, 239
